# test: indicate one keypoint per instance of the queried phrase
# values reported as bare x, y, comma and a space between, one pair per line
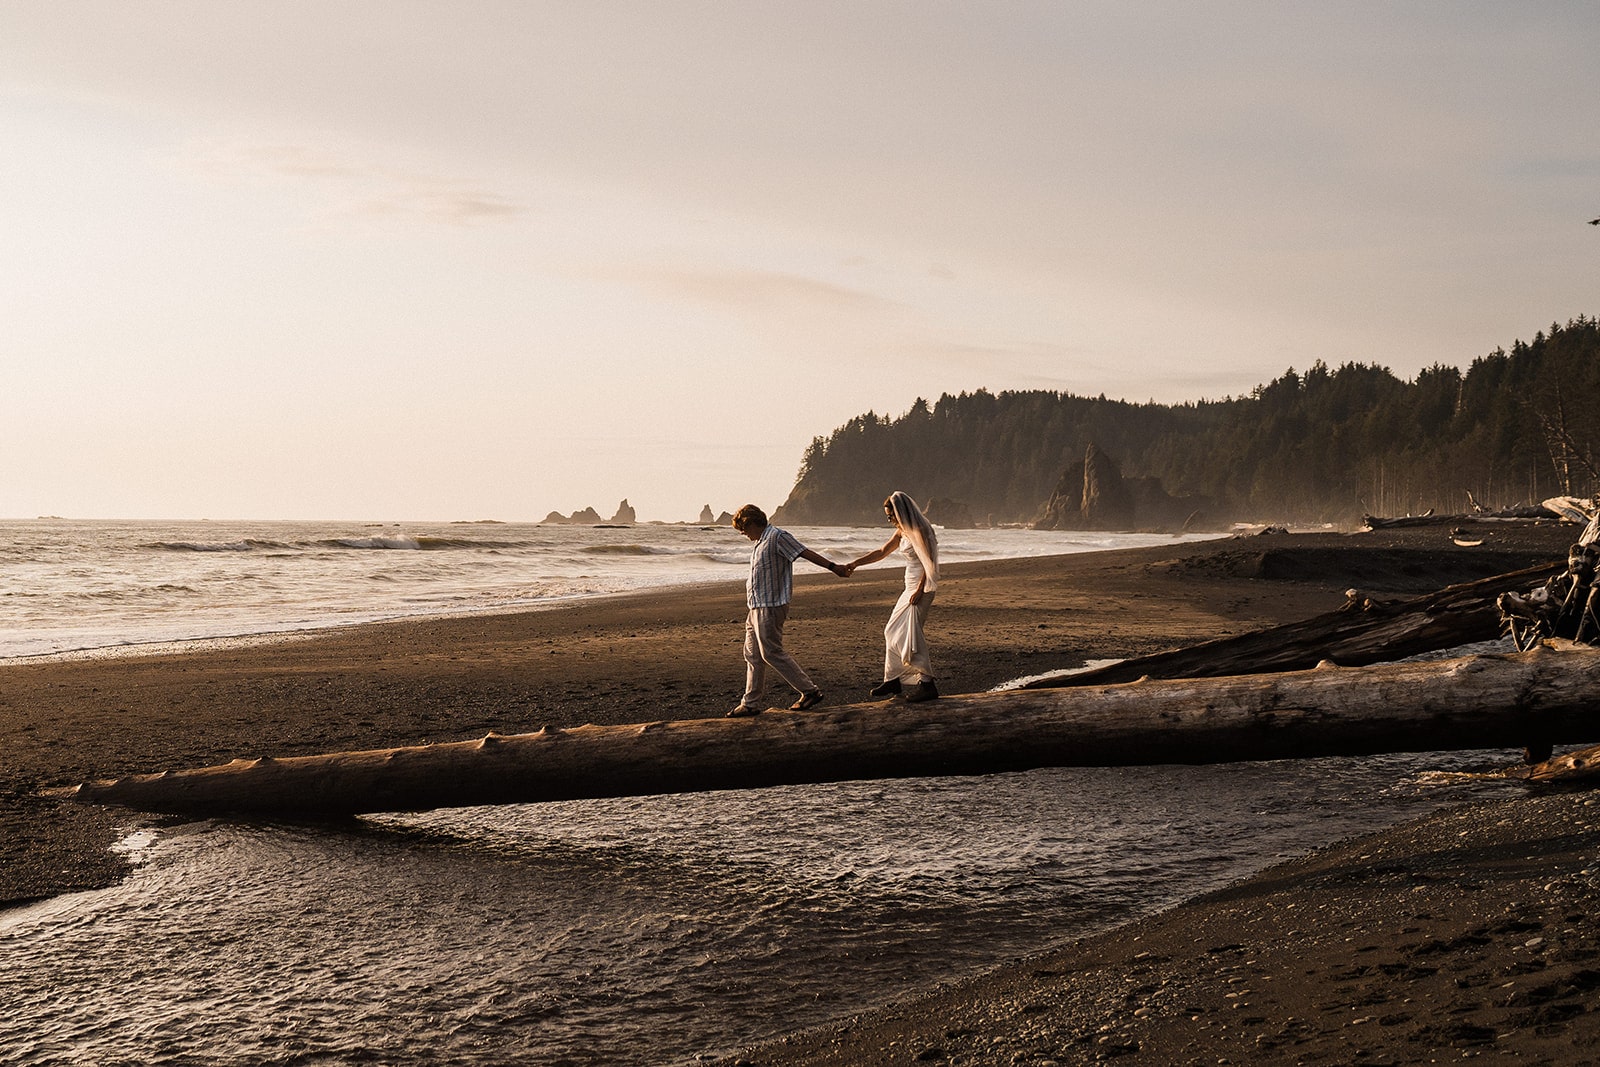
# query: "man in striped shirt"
767, 596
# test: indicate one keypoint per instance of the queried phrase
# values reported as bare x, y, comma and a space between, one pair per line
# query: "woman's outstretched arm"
874, 556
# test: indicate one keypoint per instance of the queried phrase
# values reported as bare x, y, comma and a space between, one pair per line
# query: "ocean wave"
401, 543
383, 543
123, 594
737, 559
428, 544
405, 543
248, 544
624, 550
734, 556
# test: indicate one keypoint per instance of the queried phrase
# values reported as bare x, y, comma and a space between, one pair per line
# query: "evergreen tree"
1324, 445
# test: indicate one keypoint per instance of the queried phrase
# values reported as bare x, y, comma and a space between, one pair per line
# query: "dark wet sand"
1470, 933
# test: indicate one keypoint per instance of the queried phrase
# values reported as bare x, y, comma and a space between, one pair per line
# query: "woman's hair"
909, 518
750, 515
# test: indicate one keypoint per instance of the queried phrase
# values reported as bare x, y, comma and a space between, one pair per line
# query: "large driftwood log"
1427, 518
1475, 702
1363, 632
1578, 768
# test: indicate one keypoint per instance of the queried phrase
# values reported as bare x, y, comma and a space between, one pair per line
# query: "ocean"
75, 586
651, 930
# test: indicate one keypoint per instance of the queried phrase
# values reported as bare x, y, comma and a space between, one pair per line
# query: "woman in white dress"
906, 665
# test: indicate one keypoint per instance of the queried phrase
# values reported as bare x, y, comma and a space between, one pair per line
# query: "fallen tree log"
1496, 701
1427, 518
1579, 768
1363, 632
1550, 510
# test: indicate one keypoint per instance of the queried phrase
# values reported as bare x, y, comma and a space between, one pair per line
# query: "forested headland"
1322, 445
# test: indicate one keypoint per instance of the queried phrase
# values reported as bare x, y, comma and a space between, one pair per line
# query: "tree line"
1325, 445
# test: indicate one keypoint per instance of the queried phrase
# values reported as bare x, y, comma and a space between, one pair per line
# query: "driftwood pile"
1537, 512
1363, 632
1556, 509
1566, 606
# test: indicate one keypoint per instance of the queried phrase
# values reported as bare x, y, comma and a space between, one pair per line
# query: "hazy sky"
383, 259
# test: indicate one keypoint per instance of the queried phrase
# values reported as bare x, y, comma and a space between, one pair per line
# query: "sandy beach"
1469, 933
1466, 933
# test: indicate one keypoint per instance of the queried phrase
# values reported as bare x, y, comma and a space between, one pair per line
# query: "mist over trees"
1322, 445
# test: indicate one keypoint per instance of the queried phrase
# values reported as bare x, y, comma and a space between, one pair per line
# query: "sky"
463, 260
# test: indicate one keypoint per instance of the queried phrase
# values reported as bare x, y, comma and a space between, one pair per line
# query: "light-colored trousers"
763, 648
905, 649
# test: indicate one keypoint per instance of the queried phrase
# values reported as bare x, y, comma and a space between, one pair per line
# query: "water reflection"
637, 929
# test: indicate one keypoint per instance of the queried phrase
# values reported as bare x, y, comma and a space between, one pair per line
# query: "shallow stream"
644, 930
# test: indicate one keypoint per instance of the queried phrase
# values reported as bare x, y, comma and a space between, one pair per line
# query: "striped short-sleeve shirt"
772, 568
